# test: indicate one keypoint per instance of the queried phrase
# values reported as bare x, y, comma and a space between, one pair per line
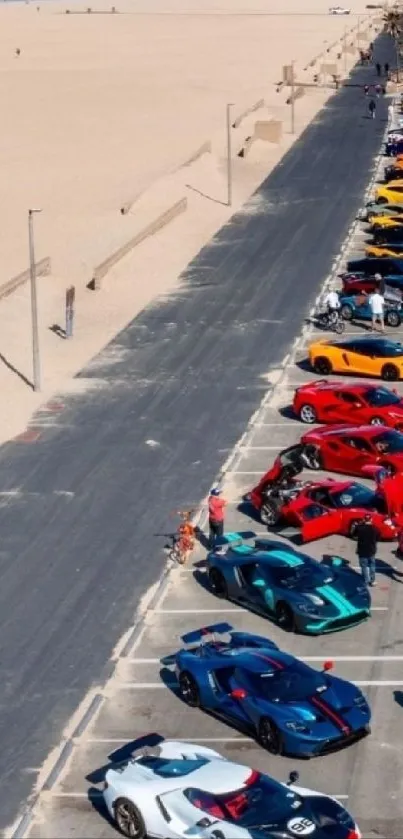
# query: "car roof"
354, 342
210, 774
262, 660
366, 430
277, 557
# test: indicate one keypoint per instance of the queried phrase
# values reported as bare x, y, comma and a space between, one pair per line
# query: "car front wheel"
129, 819
269, 514
269, 736
322, 366
217, 583
392, 318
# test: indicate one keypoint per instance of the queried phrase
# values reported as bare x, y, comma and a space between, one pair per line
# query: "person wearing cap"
366, 549
216, 511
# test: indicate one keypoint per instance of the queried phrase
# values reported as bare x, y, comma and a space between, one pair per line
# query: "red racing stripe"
332, 715
273, 661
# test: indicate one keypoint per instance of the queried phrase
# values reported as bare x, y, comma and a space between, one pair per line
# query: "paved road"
90, 496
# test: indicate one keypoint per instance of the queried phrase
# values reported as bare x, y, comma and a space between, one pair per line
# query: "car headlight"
389, 522
296, 726
315, 599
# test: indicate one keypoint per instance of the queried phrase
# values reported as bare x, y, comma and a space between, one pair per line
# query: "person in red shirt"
216, 511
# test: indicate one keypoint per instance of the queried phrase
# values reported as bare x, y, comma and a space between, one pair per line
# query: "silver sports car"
183, 790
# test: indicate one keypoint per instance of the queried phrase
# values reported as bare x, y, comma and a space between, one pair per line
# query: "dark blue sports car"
290, 707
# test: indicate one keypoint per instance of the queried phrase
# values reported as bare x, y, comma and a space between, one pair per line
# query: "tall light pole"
345, 50
229, 156
292, 99
34, 303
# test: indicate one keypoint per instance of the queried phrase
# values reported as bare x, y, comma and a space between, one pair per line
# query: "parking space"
141, 702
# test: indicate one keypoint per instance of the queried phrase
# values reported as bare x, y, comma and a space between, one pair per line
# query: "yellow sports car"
386, 221
384, 250
391, 193
376, 357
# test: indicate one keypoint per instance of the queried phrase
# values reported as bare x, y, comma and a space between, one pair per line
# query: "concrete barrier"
329, 69
43, 269
161, 221
269, 130
288, 74
255, 107
205, 148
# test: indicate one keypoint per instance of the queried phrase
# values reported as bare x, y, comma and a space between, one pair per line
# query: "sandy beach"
101, 111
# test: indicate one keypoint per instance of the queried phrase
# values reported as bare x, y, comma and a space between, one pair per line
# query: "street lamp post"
292, 98
229, 156
34, 303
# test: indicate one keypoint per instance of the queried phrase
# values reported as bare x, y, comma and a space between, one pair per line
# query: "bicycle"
331, 320
184, 539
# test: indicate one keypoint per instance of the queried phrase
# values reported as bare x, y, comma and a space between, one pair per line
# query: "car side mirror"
328, 665
238, 693
292, 778
337, 561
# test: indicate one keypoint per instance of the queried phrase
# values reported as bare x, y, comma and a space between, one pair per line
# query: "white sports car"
183, 790
339, 10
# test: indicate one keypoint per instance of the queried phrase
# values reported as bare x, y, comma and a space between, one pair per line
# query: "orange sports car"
377, 357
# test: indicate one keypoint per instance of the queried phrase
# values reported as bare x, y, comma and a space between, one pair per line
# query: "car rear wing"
206, 633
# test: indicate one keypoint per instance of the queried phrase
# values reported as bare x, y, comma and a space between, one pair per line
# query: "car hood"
322, 814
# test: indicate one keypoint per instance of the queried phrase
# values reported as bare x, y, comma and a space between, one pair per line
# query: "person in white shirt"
332, 302
377, 305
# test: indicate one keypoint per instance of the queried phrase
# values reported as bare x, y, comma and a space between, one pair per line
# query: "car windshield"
381, 397
357, 495
390, 442
261, 801
292, 684
166, 768
387, 349
303, 577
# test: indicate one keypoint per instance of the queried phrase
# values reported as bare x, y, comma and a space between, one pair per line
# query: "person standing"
378, 69
372, 109
366, 549
216, 512
386, 70
377, 305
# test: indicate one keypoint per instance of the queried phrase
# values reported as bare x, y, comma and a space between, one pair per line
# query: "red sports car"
353, 284
354, 450
335, 402
325, 507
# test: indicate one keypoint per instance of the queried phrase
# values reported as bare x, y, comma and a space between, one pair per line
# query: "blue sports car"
290, 707
356, 307
290, 587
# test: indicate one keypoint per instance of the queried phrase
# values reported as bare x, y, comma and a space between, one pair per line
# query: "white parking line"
81, 794
183, 739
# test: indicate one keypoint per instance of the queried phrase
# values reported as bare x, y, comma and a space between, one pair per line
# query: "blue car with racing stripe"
293, 589
290, 707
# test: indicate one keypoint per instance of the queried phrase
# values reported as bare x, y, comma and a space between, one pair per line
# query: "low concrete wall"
269, 130
205, 148
251, 110
329, 69
43, 268
161, 221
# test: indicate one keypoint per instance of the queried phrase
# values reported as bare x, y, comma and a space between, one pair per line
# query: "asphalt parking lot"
141, 698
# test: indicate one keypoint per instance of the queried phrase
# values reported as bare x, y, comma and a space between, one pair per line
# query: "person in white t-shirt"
377, 305
332, 302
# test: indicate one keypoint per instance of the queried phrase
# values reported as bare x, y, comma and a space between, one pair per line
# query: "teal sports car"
293, 589
373, 209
